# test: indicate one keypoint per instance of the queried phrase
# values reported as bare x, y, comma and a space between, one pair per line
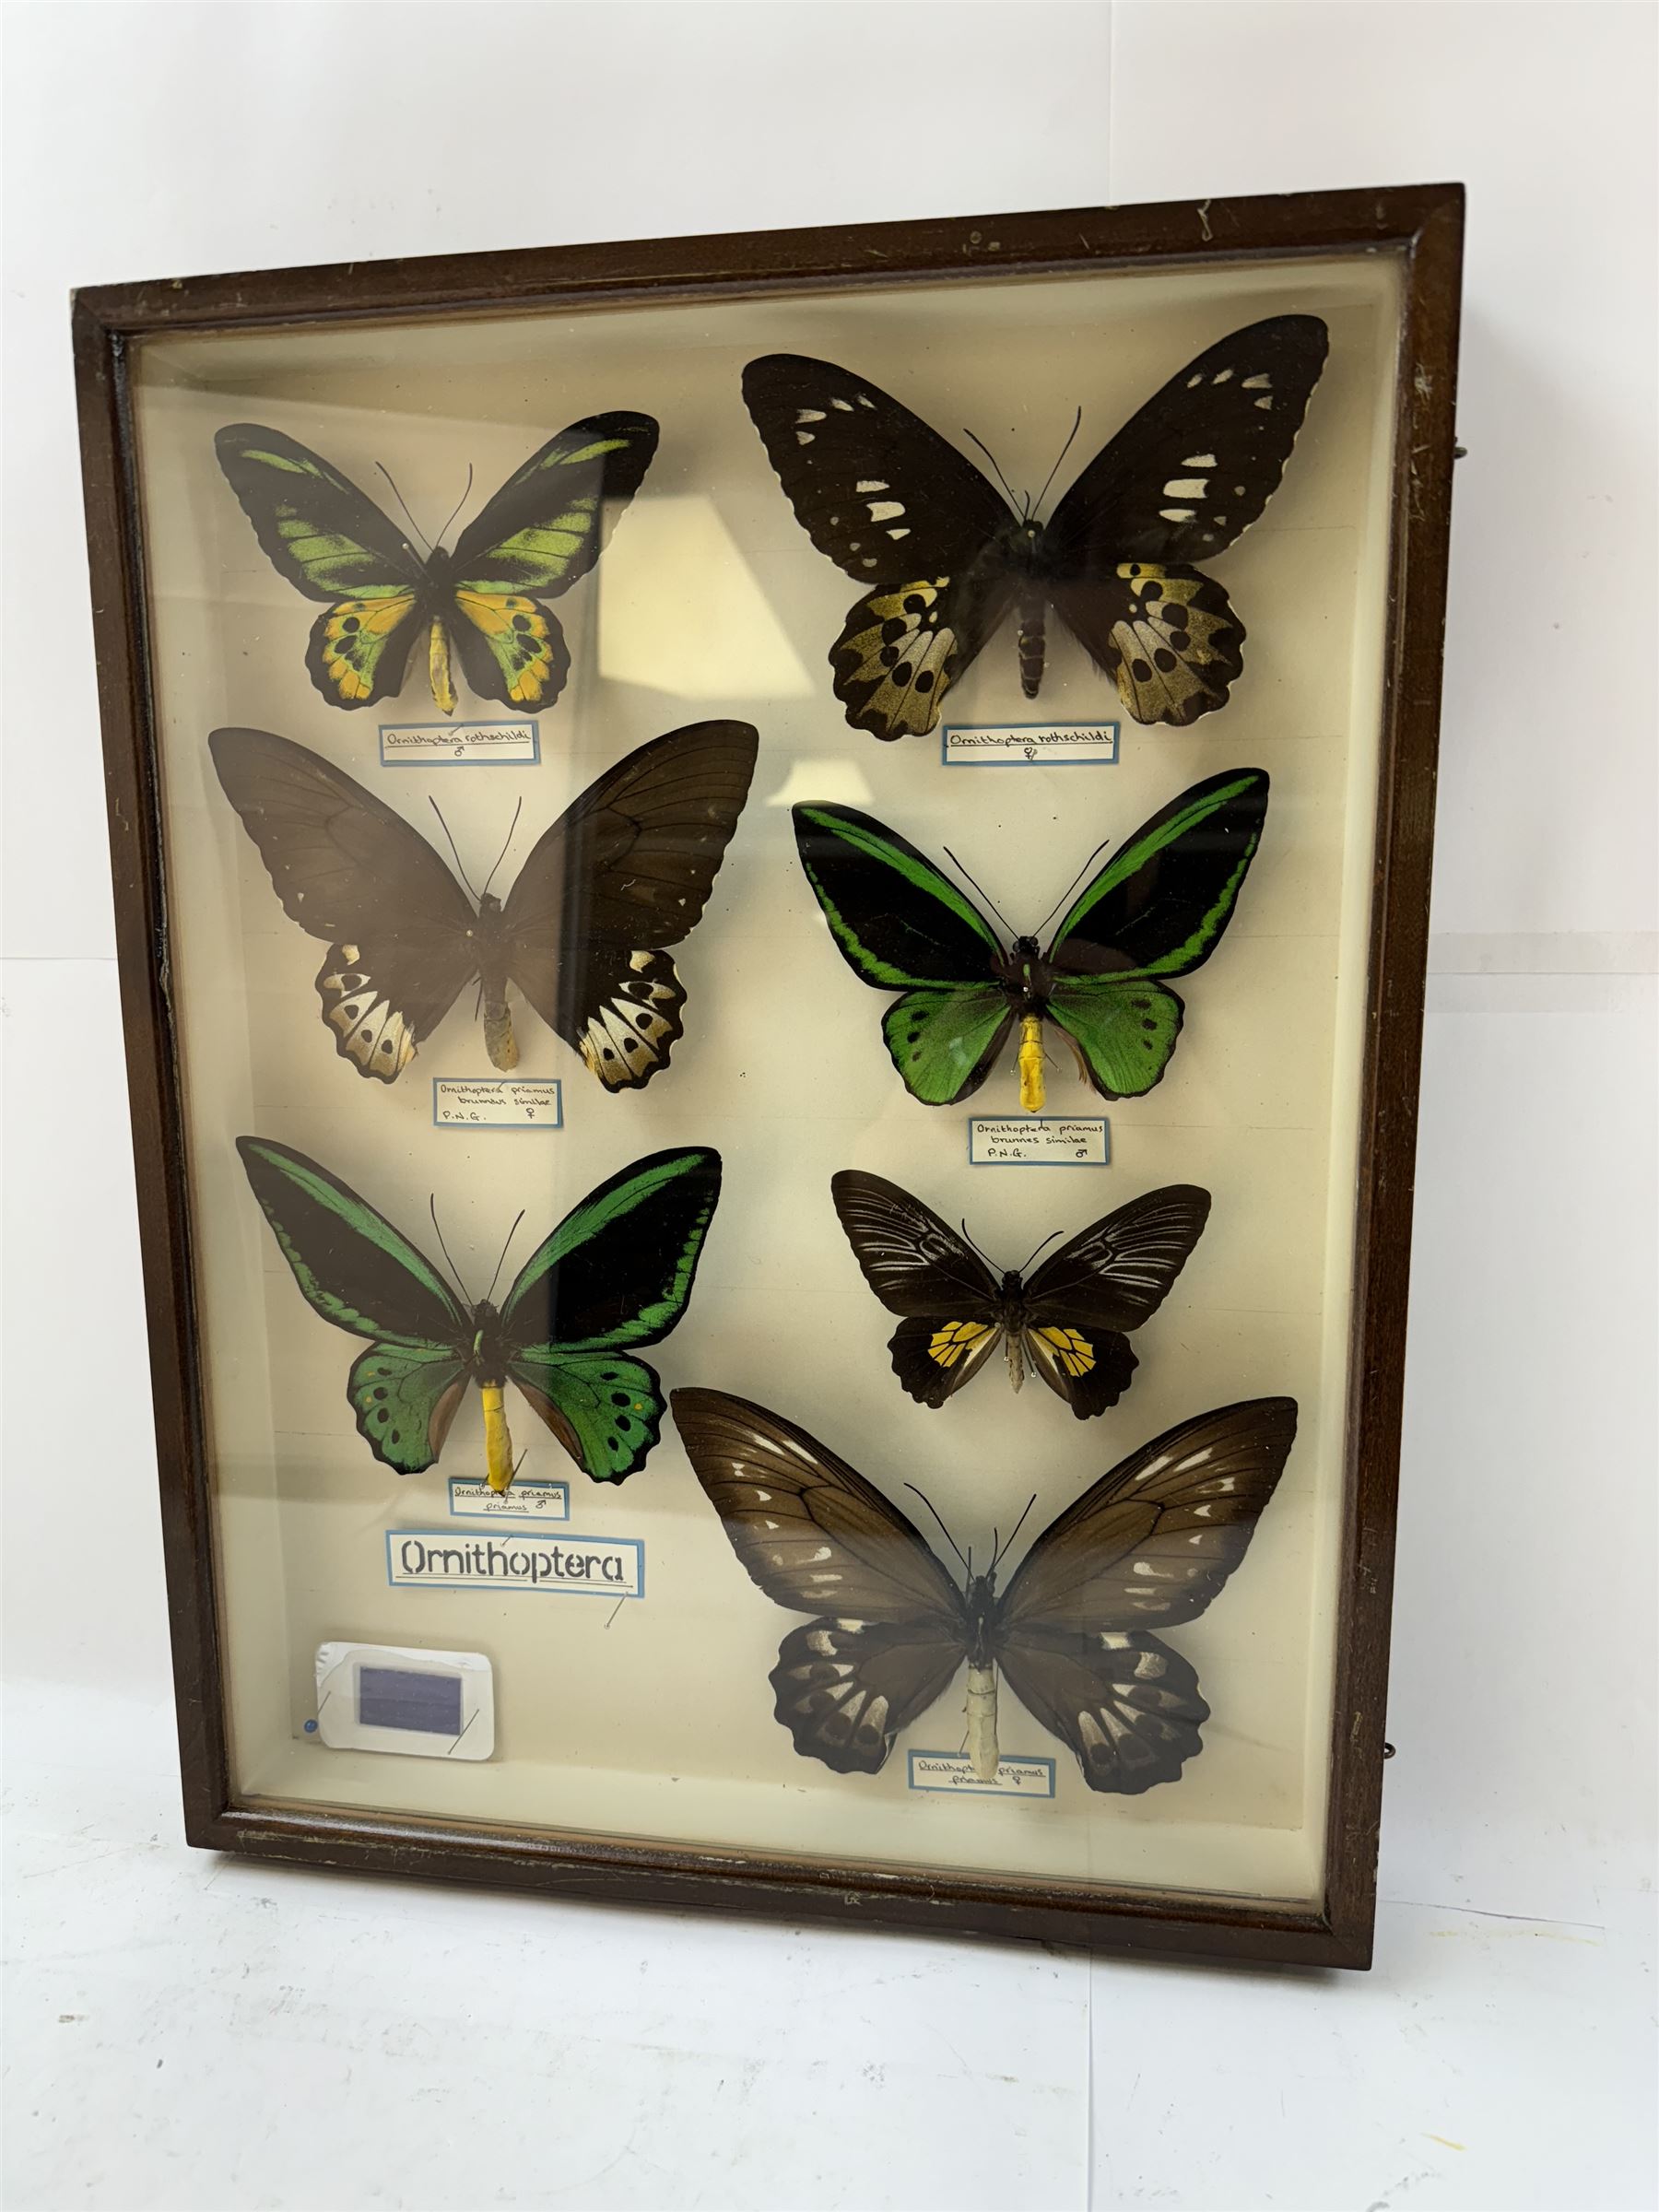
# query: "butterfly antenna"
1012, 1532
502, 855
467, 495
949, 1539
1042, 1247
1072, 886
984, 894
1013, 495
512, 1232
984, 1255
445, 828
405, 505
466, 1298
1053, 472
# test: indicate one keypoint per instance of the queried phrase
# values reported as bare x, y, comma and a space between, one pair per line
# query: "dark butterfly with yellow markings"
943, 557
615, 1275
624, 872
1149, 1546
1069, 1322
543, 530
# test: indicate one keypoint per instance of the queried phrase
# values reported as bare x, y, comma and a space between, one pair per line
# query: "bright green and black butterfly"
1156, 910
543, 530
615, 1275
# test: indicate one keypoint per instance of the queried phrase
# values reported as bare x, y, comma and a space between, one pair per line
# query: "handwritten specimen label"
471, 1498
565, 1565
1029, 744
438, 743
497, 1102
949, 1771
1039, 1140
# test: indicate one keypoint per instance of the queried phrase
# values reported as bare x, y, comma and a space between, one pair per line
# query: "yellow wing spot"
954, 1340
517, 633
1074, 1353
353, 636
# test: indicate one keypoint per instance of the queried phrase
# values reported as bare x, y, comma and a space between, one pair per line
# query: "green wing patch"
945, 1042
1125, 1028
896, 920
329, 539
605, 1411
549, 522
404, 1397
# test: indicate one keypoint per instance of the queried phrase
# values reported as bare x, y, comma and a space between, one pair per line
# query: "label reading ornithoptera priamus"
523, 1559
1029, 744
950, 1771
497, 1102
471, 1498
1039, 1140
434, 744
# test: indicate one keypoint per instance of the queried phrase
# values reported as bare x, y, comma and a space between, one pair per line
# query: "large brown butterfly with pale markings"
624, 872
1069, 1322
1149, 1545
944, 558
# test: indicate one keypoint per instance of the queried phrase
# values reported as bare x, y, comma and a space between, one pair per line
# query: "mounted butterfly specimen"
1069, 1322
615, 1275
943, 557
543, 529
1149, 1546
624, 873
1156, 910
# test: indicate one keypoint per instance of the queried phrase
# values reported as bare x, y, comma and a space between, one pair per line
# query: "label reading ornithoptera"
563, 1566
432, 744
1039, 1140
949, 1771
1029, 744
471, 1498
497, 1102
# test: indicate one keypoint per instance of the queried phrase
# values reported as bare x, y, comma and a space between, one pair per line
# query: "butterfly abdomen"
1031, 644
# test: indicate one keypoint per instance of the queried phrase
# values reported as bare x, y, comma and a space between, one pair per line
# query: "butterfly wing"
920, 1268
903, 512
350, 871
333, 543
623, 873
542, 531
901, 925
1105, 1281
616, 1274
357, 1271
1156, 908
1152, 1542
1179, 484
817, 1538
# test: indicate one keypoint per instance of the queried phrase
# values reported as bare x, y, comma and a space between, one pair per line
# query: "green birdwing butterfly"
543, 530
615, 1275
1156, 910
1148, 1547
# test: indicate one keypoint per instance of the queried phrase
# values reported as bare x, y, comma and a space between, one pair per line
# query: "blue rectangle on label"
393, 1697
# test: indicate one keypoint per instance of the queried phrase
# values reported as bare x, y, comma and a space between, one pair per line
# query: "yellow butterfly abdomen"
1031, 1093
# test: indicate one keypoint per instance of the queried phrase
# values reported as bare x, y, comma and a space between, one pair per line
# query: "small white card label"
1029, 744
497, 1102
459, 744
949, 1771
447, 1559
1039, 1140
472, 1500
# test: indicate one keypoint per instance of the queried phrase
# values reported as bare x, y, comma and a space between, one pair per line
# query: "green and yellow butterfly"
615, 1275
543, 530
1155, 910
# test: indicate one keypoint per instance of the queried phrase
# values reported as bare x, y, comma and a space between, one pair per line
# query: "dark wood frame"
1423, 225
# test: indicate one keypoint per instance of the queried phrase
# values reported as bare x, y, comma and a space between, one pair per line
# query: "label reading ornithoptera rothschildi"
471, 1498
522, 1559
1039, 1140
1029, 744
950, 1771
486, 743
497, 1102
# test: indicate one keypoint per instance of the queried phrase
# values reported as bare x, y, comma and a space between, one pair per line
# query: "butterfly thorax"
981, 1603
485, 1353
1025, 976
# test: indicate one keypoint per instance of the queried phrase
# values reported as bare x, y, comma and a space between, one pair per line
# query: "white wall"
185, 2034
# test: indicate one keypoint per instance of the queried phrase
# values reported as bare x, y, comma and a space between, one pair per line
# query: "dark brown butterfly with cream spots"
944, 558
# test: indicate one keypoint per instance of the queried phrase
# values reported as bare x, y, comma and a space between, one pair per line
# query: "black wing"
624, 872
349, 870
1104, 1282
315, 527
902, 512
553, 517
913, 1261
817, 1538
